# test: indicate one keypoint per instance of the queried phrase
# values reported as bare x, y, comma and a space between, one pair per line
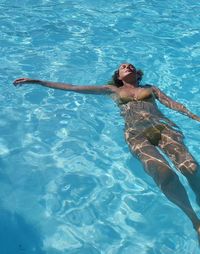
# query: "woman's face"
126, 70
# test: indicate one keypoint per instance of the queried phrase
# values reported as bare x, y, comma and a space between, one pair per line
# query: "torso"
126, 94
141, 114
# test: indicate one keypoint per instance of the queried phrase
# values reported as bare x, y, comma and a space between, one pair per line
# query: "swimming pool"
68, 181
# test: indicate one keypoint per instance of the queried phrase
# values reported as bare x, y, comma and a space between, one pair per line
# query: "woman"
148, 130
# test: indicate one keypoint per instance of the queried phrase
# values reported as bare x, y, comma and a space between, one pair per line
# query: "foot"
198, 200
198, 235
197, 228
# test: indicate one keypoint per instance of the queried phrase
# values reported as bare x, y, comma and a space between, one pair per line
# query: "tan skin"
131, 91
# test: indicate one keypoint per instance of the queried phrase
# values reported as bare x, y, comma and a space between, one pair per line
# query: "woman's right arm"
106, 89
170, 103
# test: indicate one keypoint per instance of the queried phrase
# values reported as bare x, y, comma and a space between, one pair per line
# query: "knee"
193, 168
189, 168
165, 177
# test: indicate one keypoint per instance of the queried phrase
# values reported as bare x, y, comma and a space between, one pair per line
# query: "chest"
134, 93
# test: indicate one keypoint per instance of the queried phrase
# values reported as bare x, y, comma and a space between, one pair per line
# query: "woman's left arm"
170, 103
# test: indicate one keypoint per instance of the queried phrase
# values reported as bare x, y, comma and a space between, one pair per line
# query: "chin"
130, 75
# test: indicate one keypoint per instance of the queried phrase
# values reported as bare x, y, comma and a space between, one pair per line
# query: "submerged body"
144, 119
147, 131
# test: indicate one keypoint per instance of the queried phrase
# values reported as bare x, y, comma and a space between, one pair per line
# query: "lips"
128, 71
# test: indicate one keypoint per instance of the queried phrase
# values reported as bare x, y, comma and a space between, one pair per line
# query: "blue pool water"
68, 183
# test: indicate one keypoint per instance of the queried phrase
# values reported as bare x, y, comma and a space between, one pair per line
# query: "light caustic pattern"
68, 181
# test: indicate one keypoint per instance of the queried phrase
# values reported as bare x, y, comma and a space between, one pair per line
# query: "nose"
128, 66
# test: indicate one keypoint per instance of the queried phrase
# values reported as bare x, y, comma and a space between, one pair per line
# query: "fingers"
20, 81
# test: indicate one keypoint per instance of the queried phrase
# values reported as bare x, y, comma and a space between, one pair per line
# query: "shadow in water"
17, 236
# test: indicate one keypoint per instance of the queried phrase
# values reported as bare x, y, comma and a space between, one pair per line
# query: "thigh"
172, 144
154, 162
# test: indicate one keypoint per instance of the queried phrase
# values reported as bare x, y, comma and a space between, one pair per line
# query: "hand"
20, 81
195, 117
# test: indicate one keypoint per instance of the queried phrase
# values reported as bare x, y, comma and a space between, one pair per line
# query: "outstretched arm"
106, 89
170, 103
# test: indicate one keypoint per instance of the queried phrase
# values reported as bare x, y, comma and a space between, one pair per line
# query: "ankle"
196, 226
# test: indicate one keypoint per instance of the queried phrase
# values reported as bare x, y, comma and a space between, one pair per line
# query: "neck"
130, 84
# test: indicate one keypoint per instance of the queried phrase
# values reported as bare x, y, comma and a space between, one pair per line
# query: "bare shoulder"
155, 89
111, 88
149, 86
159, 93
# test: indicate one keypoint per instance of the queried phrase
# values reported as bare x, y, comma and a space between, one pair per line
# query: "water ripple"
64, 164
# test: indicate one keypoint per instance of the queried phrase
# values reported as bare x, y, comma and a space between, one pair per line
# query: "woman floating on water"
146, 131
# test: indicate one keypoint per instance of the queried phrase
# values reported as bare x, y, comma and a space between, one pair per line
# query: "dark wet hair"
117, 82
